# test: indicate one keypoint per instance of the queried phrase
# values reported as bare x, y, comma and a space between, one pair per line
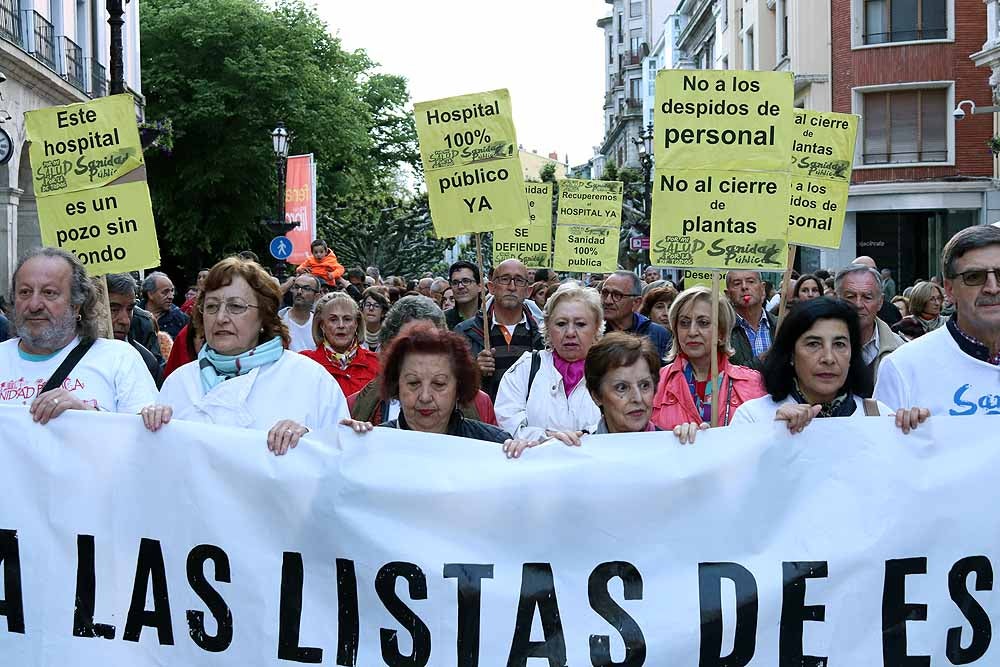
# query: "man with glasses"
513, 329
298, 318
955, 369
861, 286
621, 296
466, 283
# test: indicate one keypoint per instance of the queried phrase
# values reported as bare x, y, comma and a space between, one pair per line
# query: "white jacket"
293, 387
527, 416
764, 408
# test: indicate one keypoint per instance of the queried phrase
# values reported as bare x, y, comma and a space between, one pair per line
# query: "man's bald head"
865, 260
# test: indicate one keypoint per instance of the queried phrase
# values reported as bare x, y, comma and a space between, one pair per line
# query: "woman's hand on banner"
357, 426
686, 433
907, 420
284, 436
798, 415
155, 416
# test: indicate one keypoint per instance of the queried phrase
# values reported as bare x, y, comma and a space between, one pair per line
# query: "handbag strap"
71, 360
871, 407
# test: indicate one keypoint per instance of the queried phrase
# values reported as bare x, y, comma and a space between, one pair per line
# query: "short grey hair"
636, 281
149, 284
572, 291
322, 303
970, 238
82, 293
121, 283
856, 268
407, 309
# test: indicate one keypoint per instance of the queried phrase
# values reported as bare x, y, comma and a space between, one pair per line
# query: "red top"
362, 369
179, 354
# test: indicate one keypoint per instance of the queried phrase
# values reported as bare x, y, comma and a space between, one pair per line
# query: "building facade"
920, 174
52, 52
532, 163
629, 30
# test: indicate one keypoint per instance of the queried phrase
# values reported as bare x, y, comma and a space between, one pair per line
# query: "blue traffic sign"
280, 247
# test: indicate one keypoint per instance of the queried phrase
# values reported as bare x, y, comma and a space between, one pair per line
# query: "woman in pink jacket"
683, 400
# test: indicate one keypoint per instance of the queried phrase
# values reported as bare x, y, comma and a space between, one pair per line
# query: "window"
635, 45
783, 27
621, 36
611, 50
705, 58
905, 126
725, 13
635, 9
904, 20
634, 90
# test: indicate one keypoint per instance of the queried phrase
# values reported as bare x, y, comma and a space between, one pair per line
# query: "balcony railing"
44, 46
917, 34
10, 22
98, 79
73, 56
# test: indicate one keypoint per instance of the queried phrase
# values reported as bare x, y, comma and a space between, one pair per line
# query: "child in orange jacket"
323, 264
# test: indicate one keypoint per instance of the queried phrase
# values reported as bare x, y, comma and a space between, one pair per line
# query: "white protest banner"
847, 545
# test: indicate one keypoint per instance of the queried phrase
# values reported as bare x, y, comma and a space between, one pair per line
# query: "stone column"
9, 200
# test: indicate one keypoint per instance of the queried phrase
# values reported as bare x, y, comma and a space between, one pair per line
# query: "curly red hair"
422, 337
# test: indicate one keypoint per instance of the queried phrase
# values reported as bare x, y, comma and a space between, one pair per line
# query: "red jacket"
361, 371
673, 404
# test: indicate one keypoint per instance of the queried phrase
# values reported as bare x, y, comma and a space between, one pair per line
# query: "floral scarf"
342, 359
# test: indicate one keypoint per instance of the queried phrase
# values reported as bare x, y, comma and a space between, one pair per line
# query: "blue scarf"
216, 368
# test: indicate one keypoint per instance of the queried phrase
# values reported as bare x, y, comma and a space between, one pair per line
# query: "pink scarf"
571, 371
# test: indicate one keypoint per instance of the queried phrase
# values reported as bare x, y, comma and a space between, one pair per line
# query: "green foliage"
225, 72
548, 173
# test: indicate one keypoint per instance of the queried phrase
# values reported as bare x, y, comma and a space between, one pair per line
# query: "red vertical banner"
300, 205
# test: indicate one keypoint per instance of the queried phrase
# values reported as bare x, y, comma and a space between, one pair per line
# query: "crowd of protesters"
518, 357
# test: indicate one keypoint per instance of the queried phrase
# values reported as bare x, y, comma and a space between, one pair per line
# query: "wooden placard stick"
786, 282
482, 277
713, 347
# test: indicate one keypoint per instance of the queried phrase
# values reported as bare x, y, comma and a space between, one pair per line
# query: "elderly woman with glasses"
336, 323
243, 375
374, 305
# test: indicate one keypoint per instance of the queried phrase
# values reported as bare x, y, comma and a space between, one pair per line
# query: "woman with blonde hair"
336, 327
543, 393
684, 397
925, 304
244, 376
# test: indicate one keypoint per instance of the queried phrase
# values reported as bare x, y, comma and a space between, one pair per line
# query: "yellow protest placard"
715, 119
722, 147
89, 177
693, 277
532, 243
720, 220
585, 248
109, 229
595, 203
822, 156
469, 151
82, 146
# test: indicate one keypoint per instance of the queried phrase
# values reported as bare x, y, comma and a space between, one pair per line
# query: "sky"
548, 53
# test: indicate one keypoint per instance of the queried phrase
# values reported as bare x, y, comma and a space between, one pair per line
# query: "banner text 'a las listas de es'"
847, 544
468, 147
89, 177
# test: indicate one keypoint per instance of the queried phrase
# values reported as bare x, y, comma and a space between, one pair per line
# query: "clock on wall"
6, 146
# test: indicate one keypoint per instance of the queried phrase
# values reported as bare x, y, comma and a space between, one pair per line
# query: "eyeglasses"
615, 295
506, 281
371, 305
977, 277
464, 282
305, 288
232, 306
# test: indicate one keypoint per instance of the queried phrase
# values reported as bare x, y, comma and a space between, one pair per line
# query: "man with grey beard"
56, 362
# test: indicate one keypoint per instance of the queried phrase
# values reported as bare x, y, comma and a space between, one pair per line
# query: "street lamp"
280, 140
644, 144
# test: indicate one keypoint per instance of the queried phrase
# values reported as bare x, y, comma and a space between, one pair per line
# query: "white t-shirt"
763, 409
293, 387
111, 376
933, 372
302, 334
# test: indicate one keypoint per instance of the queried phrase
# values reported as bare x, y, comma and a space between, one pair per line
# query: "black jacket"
525, 339
152, 365
461, 427
743, 355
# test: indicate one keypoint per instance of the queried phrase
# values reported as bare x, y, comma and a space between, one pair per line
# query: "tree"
397, 237
225, 72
